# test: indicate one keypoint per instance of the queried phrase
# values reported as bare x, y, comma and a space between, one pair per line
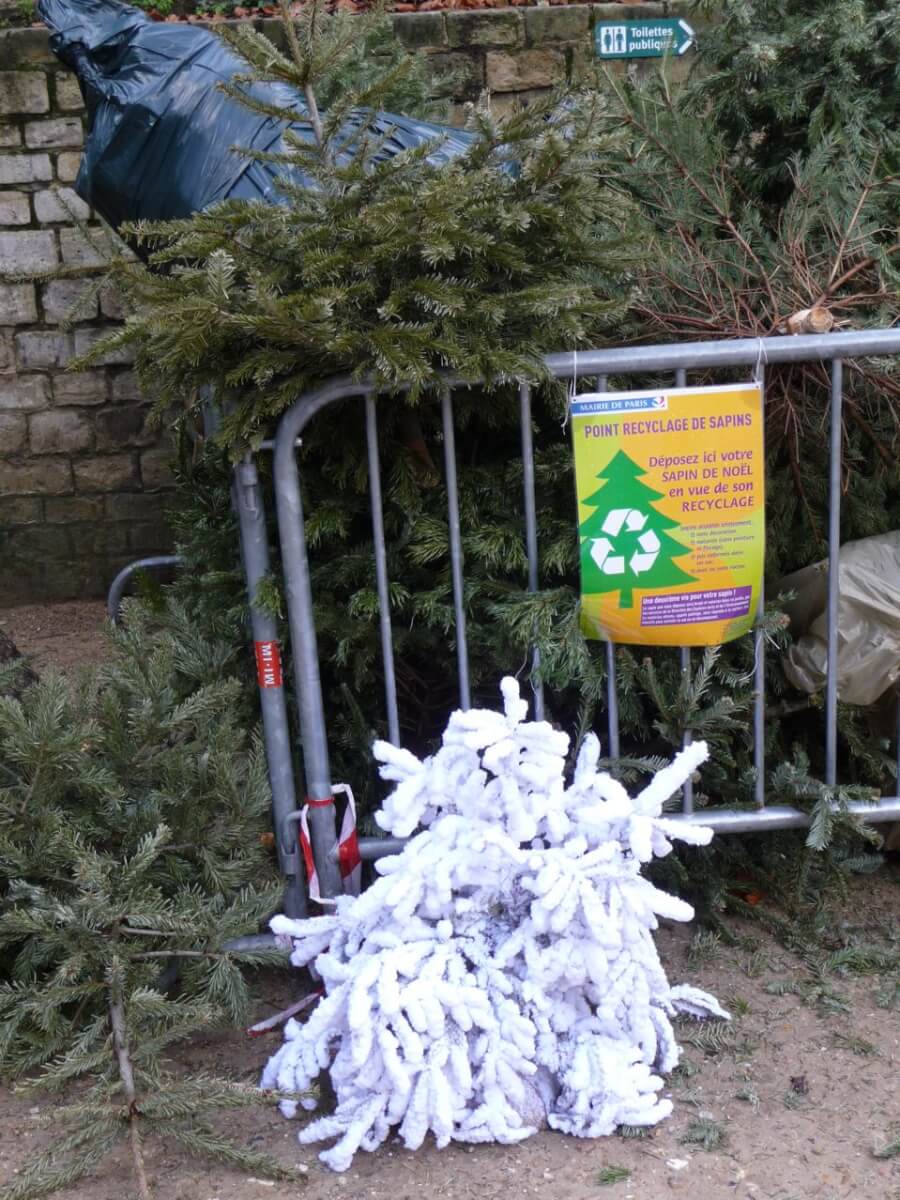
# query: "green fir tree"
779, 77
626, 543
132, 812
399, 268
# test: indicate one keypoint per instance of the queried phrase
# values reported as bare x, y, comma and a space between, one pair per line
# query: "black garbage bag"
161, 132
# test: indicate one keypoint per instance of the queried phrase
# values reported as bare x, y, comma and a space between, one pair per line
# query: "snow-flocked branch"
501, 974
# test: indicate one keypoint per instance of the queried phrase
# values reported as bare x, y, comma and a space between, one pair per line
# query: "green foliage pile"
131, 812
406, 270
781, 76
399, 267
629, 219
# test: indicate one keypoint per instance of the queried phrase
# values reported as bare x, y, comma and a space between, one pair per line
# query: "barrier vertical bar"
304, 651
759, 670
531, 533
456, 554
684, 655
247, 499
381, 573
834, 549
612, 696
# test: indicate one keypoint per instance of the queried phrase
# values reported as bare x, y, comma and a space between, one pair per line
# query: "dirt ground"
61, 636
794, 1098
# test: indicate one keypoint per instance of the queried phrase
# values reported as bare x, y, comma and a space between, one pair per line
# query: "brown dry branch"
721, 267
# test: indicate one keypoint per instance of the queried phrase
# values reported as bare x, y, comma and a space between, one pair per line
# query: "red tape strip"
268, 664
320, 803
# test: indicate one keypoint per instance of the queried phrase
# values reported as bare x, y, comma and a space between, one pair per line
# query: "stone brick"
527, 69
509, 102
457, 115
560, 23
618, 12
109, 473
60, 133
121, 427
112, 304
125, 387
60, 431
273, 29
67, 165
456, 75
77, 250
25, 168
27, 251
59, 581
14, 208
492, 28
82, 387
24, 392
72, 298
417, 31
69, 509
20, 510
88, 579
20, 47
148, 536
17, 306
68, 93
7, 355
23, 92
39, 476
10, 135
13, 430
677, 68
156, 468
34, 545
40, 348
85, 338
102, 540
135, 506
60, 204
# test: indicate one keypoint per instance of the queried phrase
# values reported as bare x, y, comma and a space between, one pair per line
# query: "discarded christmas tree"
131, 812
403, 268
501, 974
625, 542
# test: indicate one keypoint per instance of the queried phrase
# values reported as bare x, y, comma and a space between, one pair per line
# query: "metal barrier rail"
679, 359
116, 592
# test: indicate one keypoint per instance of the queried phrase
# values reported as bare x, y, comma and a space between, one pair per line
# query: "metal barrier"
600, 364
116, 592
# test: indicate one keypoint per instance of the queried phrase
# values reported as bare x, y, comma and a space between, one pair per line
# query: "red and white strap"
348, 848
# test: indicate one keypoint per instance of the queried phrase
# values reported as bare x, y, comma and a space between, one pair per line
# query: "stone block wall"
518, 52
82, 479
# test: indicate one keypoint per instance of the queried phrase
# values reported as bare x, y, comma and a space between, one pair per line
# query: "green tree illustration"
624, 491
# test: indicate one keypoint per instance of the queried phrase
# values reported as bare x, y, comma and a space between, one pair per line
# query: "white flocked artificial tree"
501, 974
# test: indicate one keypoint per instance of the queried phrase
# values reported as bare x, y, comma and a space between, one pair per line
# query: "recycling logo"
616, 553
629, 546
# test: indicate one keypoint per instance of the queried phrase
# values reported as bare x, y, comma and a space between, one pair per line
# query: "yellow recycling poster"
671, 511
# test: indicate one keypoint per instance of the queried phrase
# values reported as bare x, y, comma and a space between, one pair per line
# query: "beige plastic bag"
868, 659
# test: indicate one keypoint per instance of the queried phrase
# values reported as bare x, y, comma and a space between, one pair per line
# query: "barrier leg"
247, 496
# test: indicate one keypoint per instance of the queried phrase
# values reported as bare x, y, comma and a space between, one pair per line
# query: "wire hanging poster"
671, 513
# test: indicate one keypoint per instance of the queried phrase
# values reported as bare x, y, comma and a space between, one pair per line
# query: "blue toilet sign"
642, 39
